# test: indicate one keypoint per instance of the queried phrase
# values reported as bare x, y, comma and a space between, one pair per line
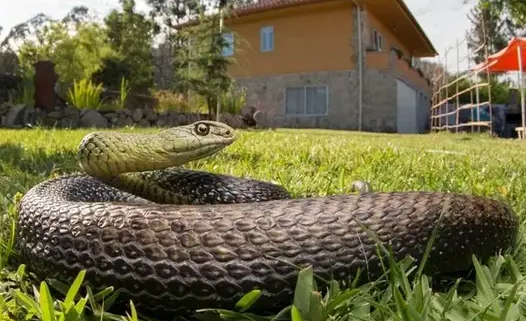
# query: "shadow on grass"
21, 168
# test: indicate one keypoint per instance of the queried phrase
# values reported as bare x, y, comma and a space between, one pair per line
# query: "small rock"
161, 121
93, 118
68, 123
15, 116
110, 115
180, 120
144, 123
57, 114
152, 117
147, 111
137, 114
71, 111
29, 115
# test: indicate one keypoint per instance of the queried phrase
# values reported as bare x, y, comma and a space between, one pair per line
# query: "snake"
175, 240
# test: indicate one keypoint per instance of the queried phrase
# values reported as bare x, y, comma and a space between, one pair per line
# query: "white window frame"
228, 51
377, 40
305, 114
263, 33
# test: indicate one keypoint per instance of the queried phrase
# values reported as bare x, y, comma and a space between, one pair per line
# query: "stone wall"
21, 116
379, 109
379, 100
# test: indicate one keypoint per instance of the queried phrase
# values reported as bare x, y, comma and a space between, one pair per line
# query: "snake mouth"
177, 158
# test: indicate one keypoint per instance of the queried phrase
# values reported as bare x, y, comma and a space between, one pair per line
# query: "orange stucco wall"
380, 60
412, 75
308, 38
316, 37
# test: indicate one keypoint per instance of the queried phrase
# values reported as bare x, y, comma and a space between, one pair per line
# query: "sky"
443, 21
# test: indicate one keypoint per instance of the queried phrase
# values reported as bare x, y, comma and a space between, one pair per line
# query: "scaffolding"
446, 108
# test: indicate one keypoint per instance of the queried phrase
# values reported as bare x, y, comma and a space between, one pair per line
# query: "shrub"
24, 94
233, 100
86, 95
169, 100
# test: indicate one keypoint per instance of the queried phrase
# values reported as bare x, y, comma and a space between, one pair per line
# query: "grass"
308, 163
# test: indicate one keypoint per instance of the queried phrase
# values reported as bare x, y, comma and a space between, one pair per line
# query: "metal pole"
521, 84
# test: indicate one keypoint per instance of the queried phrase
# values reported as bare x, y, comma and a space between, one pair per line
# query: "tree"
130, 35
76, 44
511, 12
201, 67
76, 55
487, 30
172, 12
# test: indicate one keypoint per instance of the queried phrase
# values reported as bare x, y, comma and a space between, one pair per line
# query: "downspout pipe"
360, 65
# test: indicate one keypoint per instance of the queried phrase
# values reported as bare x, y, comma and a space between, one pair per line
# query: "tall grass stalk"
233, 100
123, 93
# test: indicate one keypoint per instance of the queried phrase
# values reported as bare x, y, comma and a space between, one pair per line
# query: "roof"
267, 5
417, 25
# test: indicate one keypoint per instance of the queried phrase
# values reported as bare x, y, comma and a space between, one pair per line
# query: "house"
339, 64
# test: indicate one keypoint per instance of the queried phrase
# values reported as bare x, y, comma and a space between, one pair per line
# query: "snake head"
197, 140
106, 154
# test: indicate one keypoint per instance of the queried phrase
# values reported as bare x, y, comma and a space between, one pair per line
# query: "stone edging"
21, 116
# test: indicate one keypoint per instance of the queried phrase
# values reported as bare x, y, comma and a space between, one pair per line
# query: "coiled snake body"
164, 237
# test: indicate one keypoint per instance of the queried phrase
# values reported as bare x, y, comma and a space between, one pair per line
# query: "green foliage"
202, 68
123, 93
130, 35
23, 95
488, 28
233, 100
172, 13
499, 90
84, 94
170, 100
76, 49
113, 69
512, 12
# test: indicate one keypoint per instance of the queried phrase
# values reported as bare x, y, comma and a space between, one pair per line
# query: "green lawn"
308, 163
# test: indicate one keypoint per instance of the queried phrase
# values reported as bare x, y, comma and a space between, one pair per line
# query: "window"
267, 39
377, 40
306, 100
228, 50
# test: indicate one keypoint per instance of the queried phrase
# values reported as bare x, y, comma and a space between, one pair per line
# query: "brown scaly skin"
180, 257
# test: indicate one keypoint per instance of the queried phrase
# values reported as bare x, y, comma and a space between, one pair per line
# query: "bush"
24, 95
85, 94
169, 100
233, 100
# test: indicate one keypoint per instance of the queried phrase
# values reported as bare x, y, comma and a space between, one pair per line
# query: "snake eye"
202, 129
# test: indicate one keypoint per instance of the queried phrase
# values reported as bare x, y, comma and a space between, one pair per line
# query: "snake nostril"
227, 133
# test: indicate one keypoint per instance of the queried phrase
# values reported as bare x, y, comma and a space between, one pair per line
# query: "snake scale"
174, 239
